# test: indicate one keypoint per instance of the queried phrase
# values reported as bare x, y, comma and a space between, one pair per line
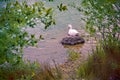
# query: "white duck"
72, 32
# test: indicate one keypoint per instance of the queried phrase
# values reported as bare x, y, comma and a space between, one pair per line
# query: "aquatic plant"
72, 55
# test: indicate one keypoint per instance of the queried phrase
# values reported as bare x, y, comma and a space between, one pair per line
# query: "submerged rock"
72, 40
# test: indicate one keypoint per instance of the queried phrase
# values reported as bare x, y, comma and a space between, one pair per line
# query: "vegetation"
13, 37
101, 65
14, 18
72, 55
46, 72
102, 16
30, 71
22, 71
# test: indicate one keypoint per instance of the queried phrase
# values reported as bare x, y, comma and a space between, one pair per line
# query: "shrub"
46, 72
99, 66
102, 16
14, 17
23, 71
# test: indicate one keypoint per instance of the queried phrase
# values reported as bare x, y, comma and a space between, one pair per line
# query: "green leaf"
62, 7
51, 0
13, 18
49, 11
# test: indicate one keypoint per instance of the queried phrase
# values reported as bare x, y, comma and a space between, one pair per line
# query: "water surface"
50, 48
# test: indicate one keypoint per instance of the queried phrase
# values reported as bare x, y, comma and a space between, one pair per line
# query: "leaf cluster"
102, 16
62, 7
13, 18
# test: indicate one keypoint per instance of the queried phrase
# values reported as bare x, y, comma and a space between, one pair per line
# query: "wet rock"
72, 40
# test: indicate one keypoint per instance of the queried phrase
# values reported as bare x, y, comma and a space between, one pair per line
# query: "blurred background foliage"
102, 16
14, 17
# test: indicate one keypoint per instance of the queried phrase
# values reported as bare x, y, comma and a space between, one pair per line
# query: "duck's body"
72, 32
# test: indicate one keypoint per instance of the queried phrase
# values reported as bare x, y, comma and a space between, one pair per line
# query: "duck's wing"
73, 32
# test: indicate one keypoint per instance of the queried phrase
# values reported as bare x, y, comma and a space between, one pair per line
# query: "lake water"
50, 48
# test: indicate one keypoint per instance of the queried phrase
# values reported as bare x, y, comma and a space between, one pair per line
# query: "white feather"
72, 32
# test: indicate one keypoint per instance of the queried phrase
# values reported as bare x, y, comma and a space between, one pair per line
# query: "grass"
29, 71
72, 55
22, 71
46, 72
94, 67
103, 64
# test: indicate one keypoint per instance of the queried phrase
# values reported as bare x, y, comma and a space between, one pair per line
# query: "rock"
72, 40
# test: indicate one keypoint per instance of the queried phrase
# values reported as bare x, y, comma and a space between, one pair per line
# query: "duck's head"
69, 26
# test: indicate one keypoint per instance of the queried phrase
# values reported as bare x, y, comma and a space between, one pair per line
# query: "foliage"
30, 71
99, 66
102, 16
72, 55
51, 0
62, 7
13, 37
46, 72
23, 71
